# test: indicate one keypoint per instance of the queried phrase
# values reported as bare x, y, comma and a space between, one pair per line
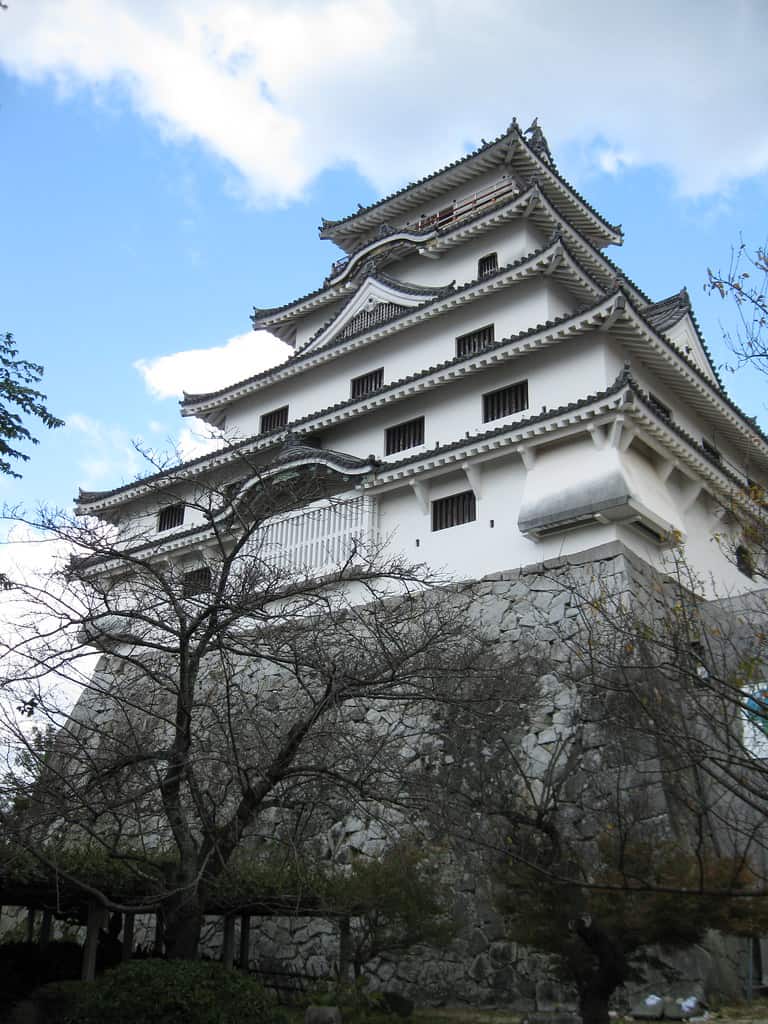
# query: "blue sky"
165, 167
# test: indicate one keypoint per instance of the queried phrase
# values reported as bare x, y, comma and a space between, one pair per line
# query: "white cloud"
105, 453
282, 89
208, 369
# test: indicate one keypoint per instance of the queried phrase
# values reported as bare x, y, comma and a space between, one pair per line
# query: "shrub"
161, 992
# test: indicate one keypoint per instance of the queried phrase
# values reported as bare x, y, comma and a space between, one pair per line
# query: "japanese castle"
477, 384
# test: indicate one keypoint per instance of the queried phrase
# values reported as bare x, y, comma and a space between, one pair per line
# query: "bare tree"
746, 283
236, 700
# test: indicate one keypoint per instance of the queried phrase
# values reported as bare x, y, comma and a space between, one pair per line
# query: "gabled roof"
510, 148
666, 313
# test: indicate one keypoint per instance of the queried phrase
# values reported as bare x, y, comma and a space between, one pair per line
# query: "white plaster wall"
476, 549
511, 241
511, 311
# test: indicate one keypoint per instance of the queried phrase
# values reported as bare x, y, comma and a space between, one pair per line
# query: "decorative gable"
376, 301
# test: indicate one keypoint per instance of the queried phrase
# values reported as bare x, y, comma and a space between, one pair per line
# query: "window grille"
454, 510
378, 314
488, 264
660, 407
196, 581
505, 401
712, 452
274, 420
366, 383
404, 435
170, 516
474, 341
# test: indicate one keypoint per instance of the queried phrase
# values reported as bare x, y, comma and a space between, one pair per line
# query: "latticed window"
404, 435
366, 383
474, 341
454, 510
488, 264
371, 317
505, 401
170, 516
274, 420
196, 581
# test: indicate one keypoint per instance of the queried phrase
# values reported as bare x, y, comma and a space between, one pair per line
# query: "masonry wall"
541, 607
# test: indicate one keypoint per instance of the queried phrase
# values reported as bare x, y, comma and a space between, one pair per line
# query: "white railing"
318, 540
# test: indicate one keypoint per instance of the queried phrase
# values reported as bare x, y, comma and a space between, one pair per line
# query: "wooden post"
228, 942
95, 918
45, 928
30, 925
345, 949
245, 942
128, 920
157, 946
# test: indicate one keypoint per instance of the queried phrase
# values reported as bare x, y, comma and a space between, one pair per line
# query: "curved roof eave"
492, 153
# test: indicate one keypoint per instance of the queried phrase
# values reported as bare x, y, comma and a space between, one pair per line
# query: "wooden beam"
474, 478
345, 950
30, 925
45, 928
95, 918
157, 945
245, 942
127, 946
228, 941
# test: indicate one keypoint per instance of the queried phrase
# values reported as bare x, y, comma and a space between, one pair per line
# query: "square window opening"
405, 435
455, 510
505, 401
273, 420
170, 516
475, 341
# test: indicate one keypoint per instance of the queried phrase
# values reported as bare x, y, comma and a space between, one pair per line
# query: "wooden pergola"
56, 899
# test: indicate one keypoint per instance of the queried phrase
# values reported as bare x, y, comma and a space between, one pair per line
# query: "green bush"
161, 992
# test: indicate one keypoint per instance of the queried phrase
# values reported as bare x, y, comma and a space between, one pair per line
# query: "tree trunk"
182, 924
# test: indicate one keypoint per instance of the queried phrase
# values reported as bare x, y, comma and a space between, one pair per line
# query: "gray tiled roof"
327, 227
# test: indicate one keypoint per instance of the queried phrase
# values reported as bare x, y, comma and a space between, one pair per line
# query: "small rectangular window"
474, 341
454, 510
366, 383
196, 581
505, 401
488, 264
274, 420
404, 435
661, 407
711, 450
170, 516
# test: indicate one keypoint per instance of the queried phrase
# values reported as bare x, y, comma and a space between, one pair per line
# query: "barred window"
170, 516
505, 401
711, 450
366, 383
474, 341
404, 435
196, 581
454, 510
274, 419
488, 264
660, 407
